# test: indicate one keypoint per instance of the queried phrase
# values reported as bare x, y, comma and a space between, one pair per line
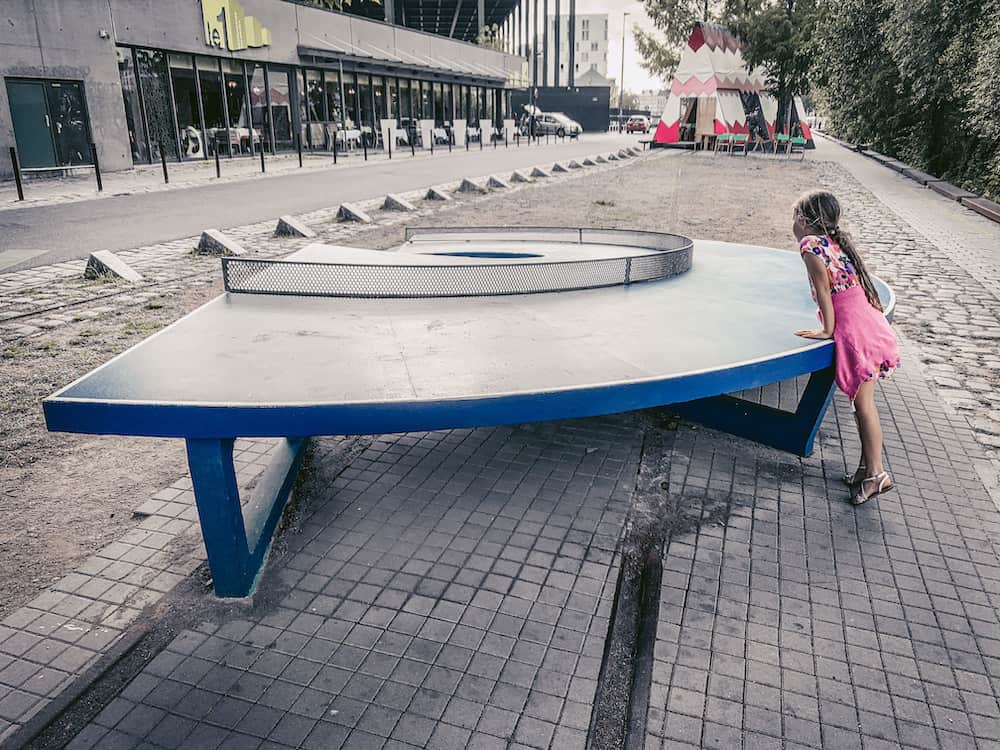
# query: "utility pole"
621, 81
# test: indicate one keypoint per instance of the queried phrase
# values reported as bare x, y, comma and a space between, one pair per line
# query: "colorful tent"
713, 92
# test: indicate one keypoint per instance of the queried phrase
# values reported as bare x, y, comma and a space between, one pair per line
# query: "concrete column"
525, 11
571, 76
555, 51
481, 11
534, 43
390, 11
545, 42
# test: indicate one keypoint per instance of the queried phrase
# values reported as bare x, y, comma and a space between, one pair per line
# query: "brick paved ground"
452, 589
448, 590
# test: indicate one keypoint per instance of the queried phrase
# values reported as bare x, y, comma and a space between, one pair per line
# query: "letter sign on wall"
227, 26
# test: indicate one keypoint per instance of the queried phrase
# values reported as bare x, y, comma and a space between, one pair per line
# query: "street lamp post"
621, 81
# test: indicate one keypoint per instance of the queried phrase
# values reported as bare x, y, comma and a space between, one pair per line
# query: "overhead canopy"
455, 18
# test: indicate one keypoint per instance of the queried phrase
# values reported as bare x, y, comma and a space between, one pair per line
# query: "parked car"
637, 124
556, 123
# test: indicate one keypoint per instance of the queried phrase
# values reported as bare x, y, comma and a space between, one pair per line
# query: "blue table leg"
788, 431
237, 539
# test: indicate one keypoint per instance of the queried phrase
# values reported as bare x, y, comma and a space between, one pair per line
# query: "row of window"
192, 106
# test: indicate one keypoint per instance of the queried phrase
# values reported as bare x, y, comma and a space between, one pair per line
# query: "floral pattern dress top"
866, 346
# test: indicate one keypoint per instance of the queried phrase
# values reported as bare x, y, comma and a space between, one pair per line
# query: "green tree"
778, 38
673, 20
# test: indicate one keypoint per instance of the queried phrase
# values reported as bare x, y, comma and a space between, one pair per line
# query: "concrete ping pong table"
457, 328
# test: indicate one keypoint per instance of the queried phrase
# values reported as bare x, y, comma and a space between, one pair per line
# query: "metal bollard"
17, 173
298, 144
451, 137
432, 142
412, 139
388, 143
335, 148
218, 168
163, 163
506, 143
364, 145
481, 139
97, 167
466, 140
262, 169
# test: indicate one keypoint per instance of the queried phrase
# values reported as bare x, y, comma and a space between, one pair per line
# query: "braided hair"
820, 211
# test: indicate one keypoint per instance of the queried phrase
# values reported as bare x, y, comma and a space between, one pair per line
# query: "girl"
852, 316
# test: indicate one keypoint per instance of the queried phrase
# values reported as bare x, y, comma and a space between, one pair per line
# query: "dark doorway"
51, 127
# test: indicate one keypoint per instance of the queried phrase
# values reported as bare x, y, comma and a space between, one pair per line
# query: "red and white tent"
712, 72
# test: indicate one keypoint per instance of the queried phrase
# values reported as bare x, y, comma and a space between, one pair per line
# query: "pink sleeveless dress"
865, 344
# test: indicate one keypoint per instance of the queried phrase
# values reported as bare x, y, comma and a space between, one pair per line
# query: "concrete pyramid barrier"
436, 194
623, 153
214, 242
105, 263
496, 182
539, 172
470, 186
600, 160
518, 176
588, 162
612, 157
574, 164
350, 212
289, 226
397, 203
557, 167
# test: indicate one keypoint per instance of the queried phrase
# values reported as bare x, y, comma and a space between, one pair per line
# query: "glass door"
51, 127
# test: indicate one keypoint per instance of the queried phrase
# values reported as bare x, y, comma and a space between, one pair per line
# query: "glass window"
258, 106
333, 104
427, 97
381, 105
186, 106
449, 104
415, 100
154, 81
315, 99
133, 106
394, 99
367, 105
405, 102
350, 102
439, 117
279, 86
216, 136
238, 107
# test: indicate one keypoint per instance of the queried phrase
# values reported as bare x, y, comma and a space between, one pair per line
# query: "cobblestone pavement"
448, 590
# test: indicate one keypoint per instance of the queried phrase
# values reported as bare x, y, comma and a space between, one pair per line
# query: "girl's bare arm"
821, 284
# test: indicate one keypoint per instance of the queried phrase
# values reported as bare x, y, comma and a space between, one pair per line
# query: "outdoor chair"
739, 141
797, 143
723, 142
781, 143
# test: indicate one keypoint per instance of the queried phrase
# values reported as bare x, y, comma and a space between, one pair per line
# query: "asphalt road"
36, 236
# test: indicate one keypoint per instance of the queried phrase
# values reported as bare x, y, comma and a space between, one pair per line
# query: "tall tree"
778, 38
660, 49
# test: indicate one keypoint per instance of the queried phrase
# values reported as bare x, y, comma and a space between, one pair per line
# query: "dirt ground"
66, 496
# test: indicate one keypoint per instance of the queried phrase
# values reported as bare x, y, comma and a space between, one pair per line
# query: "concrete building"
187, 79
577, 49
651, 101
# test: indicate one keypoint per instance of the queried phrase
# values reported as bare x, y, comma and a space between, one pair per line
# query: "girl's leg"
860, 472
870, 429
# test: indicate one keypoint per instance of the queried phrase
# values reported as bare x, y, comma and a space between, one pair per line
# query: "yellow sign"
227, 26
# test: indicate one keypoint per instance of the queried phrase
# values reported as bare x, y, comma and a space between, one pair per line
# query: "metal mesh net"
252, 276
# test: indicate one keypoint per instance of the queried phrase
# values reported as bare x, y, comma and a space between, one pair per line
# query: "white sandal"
850, 479
883, 484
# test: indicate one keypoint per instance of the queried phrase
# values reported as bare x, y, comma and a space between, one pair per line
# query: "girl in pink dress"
866, 349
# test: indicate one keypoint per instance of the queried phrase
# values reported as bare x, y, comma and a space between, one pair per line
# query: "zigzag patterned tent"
726, 97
